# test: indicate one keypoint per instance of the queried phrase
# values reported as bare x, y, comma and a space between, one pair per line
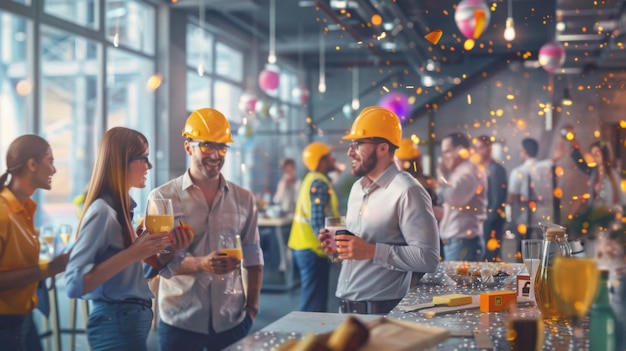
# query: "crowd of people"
457, 215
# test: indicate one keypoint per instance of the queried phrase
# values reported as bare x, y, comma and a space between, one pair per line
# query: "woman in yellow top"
30, 166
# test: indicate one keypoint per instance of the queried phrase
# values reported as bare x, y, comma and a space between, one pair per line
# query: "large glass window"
199, 48
15, 81
229, 62
226, 100
69, 109
81, 12
198, 91
131, 103
131, 24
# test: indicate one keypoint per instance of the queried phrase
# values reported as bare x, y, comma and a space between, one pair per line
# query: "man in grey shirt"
463, 191
391, 216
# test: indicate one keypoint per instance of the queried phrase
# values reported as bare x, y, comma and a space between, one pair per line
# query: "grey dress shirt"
394, 212
192, 301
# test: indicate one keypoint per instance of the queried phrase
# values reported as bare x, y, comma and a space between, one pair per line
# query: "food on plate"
349, 336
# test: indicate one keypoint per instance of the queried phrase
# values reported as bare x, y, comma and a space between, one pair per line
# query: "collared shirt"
101, 238
19, 248
196, 301
540, 174
464, 202
319, 199
395, 213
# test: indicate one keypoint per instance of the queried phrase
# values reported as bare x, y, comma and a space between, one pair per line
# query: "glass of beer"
525, 330
230, 245
159, 217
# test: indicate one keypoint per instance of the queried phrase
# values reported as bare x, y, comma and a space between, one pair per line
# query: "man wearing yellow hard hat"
194, 309
391, 216
316, 200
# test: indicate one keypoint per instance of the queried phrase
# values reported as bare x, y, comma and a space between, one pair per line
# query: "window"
69, 98
16, 83
131, 24
198, 91
81, 12
131, 104
229, 62
199, 48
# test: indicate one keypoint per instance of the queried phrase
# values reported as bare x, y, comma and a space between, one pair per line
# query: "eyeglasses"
208, 147
139, 158
354, 144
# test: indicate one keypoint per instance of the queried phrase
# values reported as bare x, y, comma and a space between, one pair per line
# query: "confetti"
434, 36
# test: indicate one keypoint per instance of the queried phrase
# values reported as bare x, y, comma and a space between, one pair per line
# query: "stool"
52, 330
73, 331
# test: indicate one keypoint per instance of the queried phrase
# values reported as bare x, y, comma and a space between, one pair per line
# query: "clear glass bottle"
602, 326
554, 244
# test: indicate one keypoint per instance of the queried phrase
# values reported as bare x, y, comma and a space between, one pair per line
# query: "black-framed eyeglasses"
354, 144
145, 159
208, 147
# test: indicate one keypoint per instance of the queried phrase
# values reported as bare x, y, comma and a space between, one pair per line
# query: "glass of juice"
159, 216
230, 245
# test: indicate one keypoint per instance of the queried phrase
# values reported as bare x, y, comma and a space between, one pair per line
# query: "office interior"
71, 69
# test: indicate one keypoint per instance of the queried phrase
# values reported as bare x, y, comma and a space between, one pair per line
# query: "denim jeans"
118, 326
314, 271
464, 249
176, 339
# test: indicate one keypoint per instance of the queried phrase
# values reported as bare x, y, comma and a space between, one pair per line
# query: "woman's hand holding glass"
159, 217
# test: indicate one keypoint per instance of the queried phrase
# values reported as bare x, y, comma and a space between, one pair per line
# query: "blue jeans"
176, 339
314, 271
18, 332
118, 326
464, 249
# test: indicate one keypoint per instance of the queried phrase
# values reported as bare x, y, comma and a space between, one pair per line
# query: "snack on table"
349, 336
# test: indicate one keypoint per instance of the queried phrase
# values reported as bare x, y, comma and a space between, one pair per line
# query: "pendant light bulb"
509, 31
271, 58
355, 104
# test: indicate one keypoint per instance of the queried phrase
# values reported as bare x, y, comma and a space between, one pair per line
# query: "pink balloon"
268, 80
552, 56
465, 16
247, 103
398, 103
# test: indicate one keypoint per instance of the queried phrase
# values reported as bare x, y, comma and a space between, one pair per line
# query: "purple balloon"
268, 80
398, 103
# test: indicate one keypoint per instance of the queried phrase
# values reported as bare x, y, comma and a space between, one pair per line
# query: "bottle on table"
554, 245
602, 326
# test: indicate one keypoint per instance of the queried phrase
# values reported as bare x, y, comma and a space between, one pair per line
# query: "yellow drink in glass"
237, 253
575, 284
159, 223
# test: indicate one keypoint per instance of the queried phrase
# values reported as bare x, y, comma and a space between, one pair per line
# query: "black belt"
368, 307
131, 300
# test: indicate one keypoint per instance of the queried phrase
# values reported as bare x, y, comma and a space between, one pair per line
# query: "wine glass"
159, 217
47, 235
575, 285
65, 231
230, 245
531, 253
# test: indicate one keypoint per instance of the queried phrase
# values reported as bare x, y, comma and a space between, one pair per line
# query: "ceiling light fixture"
271, 58
321, 87
509, 31
201, 69
567, 98
355, 88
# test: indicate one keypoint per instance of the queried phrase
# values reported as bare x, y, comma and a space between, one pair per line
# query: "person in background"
287, 189
316, 200
493, 227
463, 191
30, 166
105, 262
195, 312
530, 190
391, 216
604, 187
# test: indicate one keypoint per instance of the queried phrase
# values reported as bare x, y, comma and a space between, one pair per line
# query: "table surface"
462, 324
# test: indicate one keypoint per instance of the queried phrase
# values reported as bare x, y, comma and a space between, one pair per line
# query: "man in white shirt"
194, 310
463, 191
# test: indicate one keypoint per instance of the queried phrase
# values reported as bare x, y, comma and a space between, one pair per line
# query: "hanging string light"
271, 58
322, 84
201, 68
509, 31
355, 88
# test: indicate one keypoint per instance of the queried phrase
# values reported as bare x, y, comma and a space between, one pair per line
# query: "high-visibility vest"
302, 236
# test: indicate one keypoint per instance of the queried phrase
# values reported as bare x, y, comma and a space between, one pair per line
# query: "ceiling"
591, 30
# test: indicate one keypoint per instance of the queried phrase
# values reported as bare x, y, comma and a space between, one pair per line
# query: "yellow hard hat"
313, 153
376, 122
408, 150
208, 124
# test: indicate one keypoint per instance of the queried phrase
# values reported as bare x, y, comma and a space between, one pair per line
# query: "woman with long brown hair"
105, 265
30, 166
